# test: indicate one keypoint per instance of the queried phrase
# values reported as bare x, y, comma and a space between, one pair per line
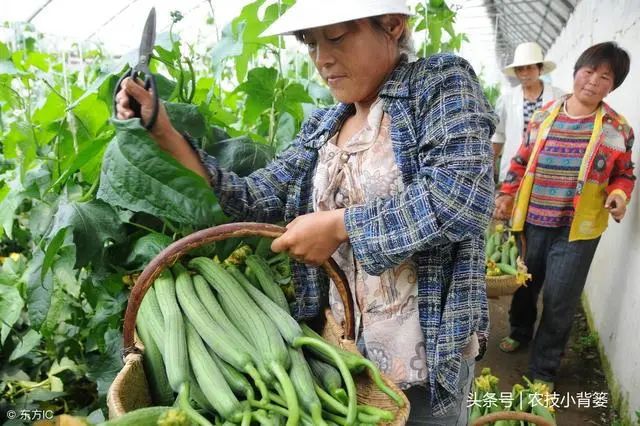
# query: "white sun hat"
306, 14
528, 54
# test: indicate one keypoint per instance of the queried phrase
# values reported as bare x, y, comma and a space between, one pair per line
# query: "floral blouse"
386, 306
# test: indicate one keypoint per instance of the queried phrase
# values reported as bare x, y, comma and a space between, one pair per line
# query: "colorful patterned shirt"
556, 177
441, 125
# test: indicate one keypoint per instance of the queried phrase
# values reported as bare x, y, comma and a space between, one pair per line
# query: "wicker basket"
130, 389
512, 415
505, 285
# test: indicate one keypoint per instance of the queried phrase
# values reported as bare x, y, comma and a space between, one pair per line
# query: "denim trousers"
458, 415
559, 268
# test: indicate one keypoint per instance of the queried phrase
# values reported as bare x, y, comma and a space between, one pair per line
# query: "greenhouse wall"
612, 294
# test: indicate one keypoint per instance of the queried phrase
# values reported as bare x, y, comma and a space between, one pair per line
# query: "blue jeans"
419, 399
559, 268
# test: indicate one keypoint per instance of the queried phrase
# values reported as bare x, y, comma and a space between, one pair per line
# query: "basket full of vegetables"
505, 270
523, 405
210, 341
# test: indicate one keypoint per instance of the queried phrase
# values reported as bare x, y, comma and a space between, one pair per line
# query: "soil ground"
581, 371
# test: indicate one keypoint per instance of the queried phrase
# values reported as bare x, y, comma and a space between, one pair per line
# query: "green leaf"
294, 94
52, 109
93, 113
138, 176
230, 44
52, 250
27, 342
56, 384
286, 132
435, 34
148, 247
109, 311
170, 54
10, 308
260, 89
321, 94
57, 312
65, 364
242, 155
5, 53
104, 367
39, 291
38, 60
11, 196
186, 118
19, 143
102, 83
165, 86
88, 152
94, 223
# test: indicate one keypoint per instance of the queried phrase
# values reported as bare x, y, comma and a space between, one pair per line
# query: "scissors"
142, 69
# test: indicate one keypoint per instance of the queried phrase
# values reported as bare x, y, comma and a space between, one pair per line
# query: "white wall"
613, 286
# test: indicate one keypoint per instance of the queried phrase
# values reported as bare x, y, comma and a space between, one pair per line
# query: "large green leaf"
285, 132
186, 118
11, 196
52, 109
93, 113
103, 367
230, 44
147, 247
19, 143
94, 223
27, 342
138, 176
39, 290
242, 155
88, 152
10, 307
52, 250
5, 53
293, 95
260, 88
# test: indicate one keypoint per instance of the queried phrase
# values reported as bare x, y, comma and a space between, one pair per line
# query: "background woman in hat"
515, 107
394, 181
571, 172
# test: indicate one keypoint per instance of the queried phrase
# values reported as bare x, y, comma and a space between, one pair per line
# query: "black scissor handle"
149, 83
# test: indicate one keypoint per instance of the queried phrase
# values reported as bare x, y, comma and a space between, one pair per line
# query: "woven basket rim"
174, 252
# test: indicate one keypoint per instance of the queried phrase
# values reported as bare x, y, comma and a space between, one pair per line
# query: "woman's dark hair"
606, 53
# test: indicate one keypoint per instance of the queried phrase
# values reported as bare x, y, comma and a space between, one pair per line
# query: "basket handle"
512, 415
172, 253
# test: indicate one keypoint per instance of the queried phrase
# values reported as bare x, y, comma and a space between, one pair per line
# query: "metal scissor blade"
148, 37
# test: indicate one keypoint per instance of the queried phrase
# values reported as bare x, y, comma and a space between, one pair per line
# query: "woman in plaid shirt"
394, 181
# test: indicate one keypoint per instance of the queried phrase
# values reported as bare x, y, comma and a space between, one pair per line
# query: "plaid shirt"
441, 125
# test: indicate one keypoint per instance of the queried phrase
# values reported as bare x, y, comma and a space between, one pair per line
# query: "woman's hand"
163, 132
504, 207
130, 88
312, 238
616, 205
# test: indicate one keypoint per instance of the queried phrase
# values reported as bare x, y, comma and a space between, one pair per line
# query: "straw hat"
306, 14
528, 54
